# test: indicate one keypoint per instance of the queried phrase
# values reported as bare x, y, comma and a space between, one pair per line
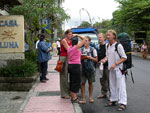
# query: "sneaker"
46, 78
43, 81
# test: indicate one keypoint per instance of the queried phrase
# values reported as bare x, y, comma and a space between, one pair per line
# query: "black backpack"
124, 39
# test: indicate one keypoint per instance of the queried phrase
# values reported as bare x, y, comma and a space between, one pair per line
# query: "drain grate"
52, 72
49, 93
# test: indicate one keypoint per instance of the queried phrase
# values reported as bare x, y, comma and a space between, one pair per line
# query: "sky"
78, 10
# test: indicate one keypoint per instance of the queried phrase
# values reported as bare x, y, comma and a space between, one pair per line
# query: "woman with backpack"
74, 54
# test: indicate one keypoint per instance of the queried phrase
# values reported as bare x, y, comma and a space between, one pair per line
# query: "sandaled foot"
111, 104
76, 100
91, 100
66, 97
122, 107
83, 101
101, 96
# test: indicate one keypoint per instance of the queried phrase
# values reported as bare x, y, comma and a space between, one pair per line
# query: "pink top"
144, 48
74, 55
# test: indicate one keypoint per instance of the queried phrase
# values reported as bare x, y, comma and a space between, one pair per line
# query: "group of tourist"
80, 59
79, 67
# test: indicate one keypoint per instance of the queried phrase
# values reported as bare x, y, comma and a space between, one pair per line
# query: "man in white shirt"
58, 46
36, 45
115, 65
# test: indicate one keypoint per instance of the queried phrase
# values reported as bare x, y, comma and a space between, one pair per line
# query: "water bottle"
101, 66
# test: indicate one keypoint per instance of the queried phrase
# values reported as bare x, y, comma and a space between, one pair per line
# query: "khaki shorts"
87, 76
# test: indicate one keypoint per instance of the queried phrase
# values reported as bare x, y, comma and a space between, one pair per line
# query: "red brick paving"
49, 104
51, 85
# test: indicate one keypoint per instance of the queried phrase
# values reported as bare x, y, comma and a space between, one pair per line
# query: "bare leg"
83, 101
91, 92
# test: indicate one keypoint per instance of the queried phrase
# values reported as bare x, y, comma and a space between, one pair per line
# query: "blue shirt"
49, 45
43, 52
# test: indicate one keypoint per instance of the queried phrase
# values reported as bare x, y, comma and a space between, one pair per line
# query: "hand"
89, 57
99, 62
103, 61
75, 35
83, 57
113, 66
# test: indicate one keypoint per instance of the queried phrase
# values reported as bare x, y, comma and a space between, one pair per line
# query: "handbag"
60, 66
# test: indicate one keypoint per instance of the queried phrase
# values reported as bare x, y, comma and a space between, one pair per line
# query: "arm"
79, 45
104, 60
123, 58
95, 58
65, 44
44, 47
118, 62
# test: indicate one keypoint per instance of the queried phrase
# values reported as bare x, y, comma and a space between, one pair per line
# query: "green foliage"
27, 69
34, 10
132, 15
31, 55
85, 24
103, 26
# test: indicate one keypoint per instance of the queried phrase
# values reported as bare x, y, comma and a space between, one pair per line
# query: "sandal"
122, 107
114, 103
101, 96
66, 97
91, 100
82, 101
76, 100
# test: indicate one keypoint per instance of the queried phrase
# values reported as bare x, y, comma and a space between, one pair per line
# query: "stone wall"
11, 58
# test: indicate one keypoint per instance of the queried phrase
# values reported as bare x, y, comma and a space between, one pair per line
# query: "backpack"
124, 40
88, 66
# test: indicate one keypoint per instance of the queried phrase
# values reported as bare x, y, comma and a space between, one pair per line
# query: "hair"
38, 35
74, 41
114, 33
42, 37
68, 31
89, 39
102, 34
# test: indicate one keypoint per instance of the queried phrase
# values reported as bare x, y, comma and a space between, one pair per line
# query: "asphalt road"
138, 93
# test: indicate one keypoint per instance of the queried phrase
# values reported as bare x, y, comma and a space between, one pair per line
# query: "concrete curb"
77, 108
30, 94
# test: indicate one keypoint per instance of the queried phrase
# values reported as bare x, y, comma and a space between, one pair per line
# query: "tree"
85, 24
103, 26
132, 15
35, 10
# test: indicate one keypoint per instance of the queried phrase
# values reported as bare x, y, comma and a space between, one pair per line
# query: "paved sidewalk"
45, 97
139, 54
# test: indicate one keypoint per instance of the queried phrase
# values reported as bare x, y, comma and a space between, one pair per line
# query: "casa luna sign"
11, 34
8, 23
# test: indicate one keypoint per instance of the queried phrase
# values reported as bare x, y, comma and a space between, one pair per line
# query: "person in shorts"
91, 54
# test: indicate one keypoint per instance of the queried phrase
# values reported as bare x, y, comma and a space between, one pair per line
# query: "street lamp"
83, 9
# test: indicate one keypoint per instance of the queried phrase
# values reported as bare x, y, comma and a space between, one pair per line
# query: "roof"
11, 2
84, 30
